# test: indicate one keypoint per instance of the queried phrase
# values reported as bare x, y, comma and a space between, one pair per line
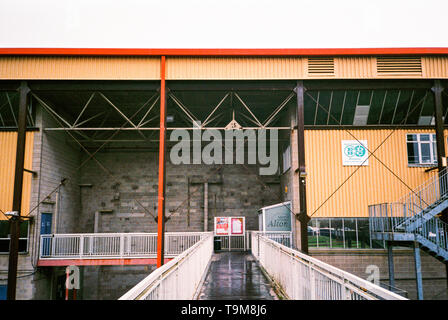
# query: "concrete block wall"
356, 262
111, 282
53, 159
60, 158
234, 190
28, 277
27, 280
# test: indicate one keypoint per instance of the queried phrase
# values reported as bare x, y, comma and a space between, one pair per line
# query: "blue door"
45, 228
45, 223
3, 292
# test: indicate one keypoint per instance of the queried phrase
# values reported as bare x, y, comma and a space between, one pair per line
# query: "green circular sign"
355, 151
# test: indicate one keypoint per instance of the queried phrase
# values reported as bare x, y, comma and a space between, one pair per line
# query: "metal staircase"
425, 202
432, 237
415, 218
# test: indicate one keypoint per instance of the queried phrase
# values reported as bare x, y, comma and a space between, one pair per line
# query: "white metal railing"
179, 279
232, 242
386, 217
242, 242
282, 237
426, 194
302, 277
114, 245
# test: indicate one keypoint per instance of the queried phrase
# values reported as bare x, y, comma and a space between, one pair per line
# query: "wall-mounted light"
12, 213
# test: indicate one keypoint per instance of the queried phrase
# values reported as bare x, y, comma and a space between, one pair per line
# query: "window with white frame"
5, 236
421, 149
286, 159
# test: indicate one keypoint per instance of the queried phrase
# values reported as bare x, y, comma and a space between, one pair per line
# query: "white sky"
223, 24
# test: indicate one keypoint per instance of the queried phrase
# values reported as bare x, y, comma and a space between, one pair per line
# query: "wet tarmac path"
235, 276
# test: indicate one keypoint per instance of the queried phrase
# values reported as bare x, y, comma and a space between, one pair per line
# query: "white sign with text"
354, 153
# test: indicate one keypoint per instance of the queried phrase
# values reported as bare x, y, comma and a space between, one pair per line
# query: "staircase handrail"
427, 193
383, 220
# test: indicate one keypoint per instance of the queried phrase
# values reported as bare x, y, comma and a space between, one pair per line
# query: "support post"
96, 222
17, 196
441, 155
162, 182
446, 272
188, 201
438, 112
205, 206
390, 260
303, 217
418, 271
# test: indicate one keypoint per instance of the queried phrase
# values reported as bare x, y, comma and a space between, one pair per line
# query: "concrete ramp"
235, 276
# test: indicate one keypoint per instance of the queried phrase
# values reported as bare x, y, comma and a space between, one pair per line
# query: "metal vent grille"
399, 65
318, 66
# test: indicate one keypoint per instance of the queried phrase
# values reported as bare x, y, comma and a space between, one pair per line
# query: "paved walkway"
235, 276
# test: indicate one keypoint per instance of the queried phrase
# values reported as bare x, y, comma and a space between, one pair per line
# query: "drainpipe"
56, 215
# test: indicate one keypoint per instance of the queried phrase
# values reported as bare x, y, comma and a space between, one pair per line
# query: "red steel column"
162, 148
66, 283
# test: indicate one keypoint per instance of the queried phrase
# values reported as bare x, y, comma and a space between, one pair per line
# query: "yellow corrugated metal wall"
8, 142
202, 68
233, 68
435, 67
355, 67
88, 68
370, 184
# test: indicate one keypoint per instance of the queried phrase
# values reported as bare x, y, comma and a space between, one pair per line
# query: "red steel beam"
224, 52
162, 149
98, 262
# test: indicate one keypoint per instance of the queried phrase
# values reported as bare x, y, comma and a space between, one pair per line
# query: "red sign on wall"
225, 226
237, 226
222, 225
